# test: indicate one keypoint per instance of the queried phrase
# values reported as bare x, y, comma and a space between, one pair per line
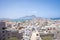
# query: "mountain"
24, 18
2, 18
28, 17
5, 19
55, 18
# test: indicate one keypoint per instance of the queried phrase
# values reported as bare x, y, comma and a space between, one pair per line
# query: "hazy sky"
21, 8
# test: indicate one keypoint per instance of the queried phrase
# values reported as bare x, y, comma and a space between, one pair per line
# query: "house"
35, 36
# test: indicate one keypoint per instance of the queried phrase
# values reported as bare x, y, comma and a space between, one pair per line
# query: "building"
35, 36
3, 31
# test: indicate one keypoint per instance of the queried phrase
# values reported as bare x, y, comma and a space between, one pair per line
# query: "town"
35, 29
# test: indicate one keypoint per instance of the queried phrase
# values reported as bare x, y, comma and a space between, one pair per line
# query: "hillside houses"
27, 29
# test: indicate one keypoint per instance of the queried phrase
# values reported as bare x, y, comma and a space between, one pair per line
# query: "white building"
35, 36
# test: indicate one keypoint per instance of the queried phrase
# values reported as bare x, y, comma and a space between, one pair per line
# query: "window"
3, 28
48, 29
37, 34
3, 38
3, 35
3, 31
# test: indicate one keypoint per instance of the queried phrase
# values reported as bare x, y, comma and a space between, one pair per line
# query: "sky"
19, 8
